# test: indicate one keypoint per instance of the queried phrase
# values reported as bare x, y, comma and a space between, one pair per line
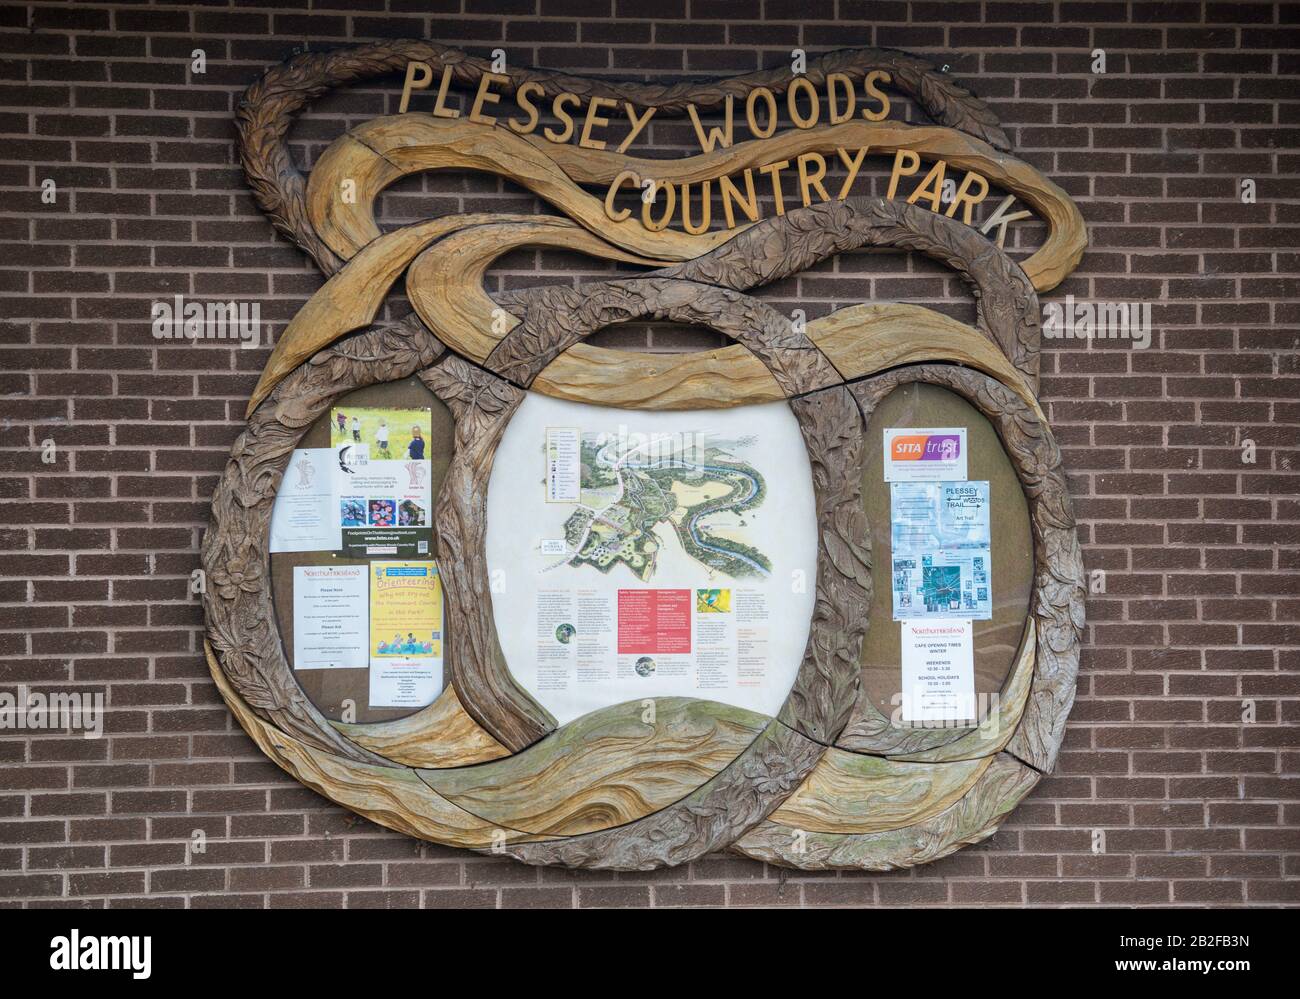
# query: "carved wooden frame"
478, 767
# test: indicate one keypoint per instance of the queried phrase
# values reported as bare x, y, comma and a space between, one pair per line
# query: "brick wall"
1198, 623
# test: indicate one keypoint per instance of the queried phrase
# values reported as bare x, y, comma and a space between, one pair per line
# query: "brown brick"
1200, 549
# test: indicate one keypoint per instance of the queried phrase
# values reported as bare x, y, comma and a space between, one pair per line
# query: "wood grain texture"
267, 108
391, 147
392, 796
441, 735
862, 340
445, 283
556, 317
707, 379
826, 686
482, 404
346, 302
973, 817
851, 793
605, 769
739, 797
859, 340
1006, 303
381, 151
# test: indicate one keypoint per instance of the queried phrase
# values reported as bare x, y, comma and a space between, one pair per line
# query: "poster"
303, 517
938, 671
406, 634
381, 476
941, 552
710, 641
664, 555
927, 454
330, 617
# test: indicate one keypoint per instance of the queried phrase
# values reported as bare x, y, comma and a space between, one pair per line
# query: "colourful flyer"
382, 480
406, 634
925, 454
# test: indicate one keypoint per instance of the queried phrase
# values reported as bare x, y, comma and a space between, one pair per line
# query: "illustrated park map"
700, 487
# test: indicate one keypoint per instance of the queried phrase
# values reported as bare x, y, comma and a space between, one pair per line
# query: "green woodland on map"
631, 484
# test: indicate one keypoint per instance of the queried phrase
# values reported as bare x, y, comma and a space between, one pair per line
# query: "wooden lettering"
527, 106
748, 204
440, 108
557, 109
808, 180
485, 96
418, 77
687, 224
802, 83
715, 135
592, 120
869, 85
765, 95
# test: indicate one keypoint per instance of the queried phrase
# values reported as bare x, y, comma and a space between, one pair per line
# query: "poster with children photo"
382, 455
389, 434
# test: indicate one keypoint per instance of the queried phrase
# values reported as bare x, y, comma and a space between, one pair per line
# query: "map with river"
699, 485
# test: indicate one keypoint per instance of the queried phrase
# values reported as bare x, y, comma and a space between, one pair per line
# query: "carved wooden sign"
813, 773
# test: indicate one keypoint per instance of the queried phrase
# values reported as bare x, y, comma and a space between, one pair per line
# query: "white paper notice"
938, 671
331, 617
304, 517
407, 684
926, 454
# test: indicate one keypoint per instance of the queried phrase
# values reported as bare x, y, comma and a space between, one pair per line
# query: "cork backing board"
328, 689
996, 640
